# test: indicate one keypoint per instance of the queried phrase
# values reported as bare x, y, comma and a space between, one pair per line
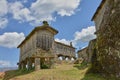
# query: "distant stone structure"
40, 48
91, 50
107, 22
82, 54
86, 54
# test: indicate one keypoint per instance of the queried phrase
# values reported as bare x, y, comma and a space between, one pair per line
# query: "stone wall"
44, 39
82, 54
63, 49
28, 48
98, 19
108, 40
90, 50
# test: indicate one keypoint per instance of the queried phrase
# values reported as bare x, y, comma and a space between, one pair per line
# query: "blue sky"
72, 18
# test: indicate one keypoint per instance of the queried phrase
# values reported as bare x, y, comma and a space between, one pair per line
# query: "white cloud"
20, 12
4, 63
63, 41
24, 1
3, 12
44, 9
11, 39
3, 7
39, 10
62, 7
86, 34
3, 22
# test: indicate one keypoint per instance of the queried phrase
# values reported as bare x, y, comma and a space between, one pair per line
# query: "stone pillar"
23, 65
52, 62
56, 58
20, 66
37, 64
69, 58
29, 64
63, 57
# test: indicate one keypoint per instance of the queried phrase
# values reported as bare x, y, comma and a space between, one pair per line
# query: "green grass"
61, 72
93, 77
83, 65
13, 73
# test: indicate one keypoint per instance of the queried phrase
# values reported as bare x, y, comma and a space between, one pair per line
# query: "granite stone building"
40, 48
107, 22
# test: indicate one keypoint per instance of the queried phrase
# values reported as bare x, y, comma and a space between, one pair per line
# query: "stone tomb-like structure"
40, 48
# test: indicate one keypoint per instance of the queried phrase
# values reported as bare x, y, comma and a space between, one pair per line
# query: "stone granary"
40, 48
107, 22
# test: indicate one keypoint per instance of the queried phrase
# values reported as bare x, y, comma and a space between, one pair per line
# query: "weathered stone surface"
82, 54
108, 40
90, 50
23, 65
29, 64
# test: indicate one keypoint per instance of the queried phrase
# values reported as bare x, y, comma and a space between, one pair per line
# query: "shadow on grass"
93, 76
89, 75
97, 76
13, 73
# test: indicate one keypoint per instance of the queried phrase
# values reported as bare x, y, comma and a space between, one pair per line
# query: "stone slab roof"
44, 27
82, 49
65, 44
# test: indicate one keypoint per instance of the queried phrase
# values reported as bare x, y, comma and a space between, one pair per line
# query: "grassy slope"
61, 72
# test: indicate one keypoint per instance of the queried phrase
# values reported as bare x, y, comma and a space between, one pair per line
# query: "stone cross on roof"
45, 23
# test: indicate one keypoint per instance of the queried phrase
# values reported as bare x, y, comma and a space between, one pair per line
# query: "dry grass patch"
61, 72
